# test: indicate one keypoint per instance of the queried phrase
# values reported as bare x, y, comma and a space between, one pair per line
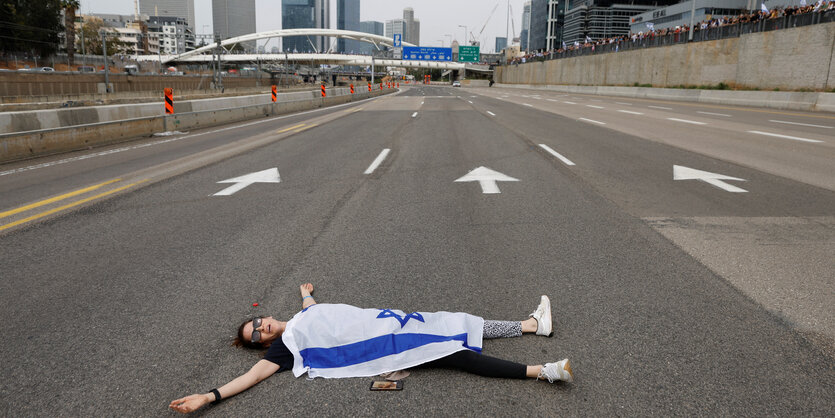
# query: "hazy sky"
437, 17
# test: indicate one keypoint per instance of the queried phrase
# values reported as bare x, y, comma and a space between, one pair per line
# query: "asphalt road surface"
687, 254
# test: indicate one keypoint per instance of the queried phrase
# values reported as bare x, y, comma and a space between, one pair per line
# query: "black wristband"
217, 396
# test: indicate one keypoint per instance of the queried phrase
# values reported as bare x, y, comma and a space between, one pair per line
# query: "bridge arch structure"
377, 40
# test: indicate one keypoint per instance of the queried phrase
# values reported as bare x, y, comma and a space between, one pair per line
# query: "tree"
70, 7
91, 31
30, 26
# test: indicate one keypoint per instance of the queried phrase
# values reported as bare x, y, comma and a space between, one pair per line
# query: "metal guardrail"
709, 34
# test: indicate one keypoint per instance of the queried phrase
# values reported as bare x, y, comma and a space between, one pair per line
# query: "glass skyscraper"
305, 14
348, 18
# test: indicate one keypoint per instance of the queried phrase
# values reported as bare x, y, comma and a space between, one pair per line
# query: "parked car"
46, 69
456, 83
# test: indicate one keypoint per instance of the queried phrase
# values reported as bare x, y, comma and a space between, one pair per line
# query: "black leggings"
472, 362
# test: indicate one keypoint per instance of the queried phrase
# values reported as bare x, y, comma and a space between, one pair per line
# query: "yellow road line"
306, 128
51, 211
55, 199
290, 128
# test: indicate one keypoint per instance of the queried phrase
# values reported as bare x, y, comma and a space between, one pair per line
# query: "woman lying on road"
333, 340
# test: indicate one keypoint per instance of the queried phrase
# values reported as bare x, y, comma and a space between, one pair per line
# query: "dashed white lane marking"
630, 112
414, 114
596, 107
592, 121
377, 161
692, 122
661, 107
569, 103
625, 104
794, 138
491, 113
470, 101
566, 161
552, 100
714, 114
421, 103
800, 124
528, 105
117, 150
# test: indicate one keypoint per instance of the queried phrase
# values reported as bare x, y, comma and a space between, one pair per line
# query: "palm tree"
70, 7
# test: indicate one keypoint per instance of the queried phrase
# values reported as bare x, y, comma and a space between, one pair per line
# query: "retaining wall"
788, 59
21, 145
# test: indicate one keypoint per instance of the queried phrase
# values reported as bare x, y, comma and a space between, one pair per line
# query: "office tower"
348, 18
526, 26
376, 28
411, 32
396, 26
232, 18
601, 19
501, 43
303, 14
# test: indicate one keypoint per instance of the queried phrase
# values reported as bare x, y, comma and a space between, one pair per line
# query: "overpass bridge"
223, 51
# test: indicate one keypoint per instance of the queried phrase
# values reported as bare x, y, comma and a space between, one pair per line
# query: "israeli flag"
651, 26
803, 3
335, 340
765, 9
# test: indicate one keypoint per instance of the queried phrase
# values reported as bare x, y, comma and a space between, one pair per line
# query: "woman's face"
269, 330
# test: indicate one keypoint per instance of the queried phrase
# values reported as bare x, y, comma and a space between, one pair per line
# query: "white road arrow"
266, 176
487, 178
686, 173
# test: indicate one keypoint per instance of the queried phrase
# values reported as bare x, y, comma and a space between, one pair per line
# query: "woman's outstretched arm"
307, 300
260, 371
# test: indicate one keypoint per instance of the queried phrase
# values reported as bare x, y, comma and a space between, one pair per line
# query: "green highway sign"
469, 54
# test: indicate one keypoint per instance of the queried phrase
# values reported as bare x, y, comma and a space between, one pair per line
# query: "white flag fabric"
803, 3
650, 26
765, 9
336, 340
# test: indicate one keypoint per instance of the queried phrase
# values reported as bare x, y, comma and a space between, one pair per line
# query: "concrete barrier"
11, 122
32, 143
815, 102
793, 59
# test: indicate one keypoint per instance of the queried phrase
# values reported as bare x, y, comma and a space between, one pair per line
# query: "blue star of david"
387, 313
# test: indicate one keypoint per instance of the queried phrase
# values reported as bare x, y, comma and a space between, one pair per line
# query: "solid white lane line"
714, 114
592, 121
525, 104
661, 107
794, 138
414, 114
491, 113
596, 107
566, 161
801, 124
625, 104
692, 122
630, 112
569, 103
377, 161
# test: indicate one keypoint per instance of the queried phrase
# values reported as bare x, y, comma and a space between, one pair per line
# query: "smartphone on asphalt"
387, 385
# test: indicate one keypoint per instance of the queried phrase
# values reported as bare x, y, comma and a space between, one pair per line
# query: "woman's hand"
190, 403
307, 287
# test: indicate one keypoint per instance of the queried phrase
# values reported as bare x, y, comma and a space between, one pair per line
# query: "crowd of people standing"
821, 6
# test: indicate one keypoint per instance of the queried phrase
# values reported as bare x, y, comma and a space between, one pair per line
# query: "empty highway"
687, 250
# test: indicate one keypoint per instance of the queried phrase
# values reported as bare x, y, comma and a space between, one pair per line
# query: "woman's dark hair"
240, 341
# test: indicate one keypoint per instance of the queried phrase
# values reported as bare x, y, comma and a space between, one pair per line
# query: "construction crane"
473, 37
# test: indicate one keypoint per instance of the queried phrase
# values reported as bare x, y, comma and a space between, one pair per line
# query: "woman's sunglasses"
256, 335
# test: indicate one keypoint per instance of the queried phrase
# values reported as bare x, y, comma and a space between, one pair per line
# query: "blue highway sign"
427, 53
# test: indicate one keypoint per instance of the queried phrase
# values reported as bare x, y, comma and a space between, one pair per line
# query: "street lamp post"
465, 33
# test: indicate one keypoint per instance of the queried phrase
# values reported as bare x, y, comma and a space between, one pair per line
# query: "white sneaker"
560, 370
542, 314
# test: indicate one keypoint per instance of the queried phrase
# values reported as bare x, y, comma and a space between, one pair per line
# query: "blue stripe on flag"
372, 349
